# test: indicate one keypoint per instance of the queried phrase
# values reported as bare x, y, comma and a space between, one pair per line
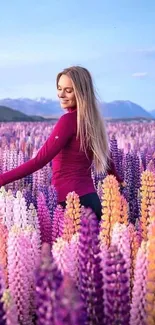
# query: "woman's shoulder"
69, 116
67, 120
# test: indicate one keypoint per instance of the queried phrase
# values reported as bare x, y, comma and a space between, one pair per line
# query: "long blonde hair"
90, 125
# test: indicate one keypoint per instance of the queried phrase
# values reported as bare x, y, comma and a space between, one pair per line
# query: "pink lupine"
137, 313
10, 308
8, 217
2, 309
3, 251
61, 254
20, 211
74, 258
57, 223
44, 219
20, 271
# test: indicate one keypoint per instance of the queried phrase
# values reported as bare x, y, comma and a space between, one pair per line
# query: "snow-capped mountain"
124, 109
39, 106
48, 107
153, 113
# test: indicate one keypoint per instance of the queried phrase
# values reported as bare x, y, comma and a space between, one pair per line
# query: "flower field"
59, 267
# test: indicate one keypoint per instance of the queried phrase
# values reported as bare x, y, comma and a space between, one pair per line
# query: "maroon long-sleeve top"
71, 168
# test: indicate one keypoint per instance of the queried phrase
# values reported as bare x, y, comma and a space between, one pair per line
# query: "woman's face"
66, 92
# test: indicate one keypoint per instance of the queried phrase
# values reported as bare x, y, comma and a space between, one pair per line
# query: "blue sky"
115, 40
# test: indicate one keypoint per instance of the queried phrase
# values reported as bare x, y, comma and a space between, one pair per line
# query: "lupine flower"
70, 309
3, 251
33, 218
61, 254
129, 192
74, 259
20, 270
71, 216
152, 213
27, 194
121, 238
52, 200
20, 211
97, 178
57, 223
137, 313
111, 207
124, 211
8, 217
66, 256
48, 281
116, 288
44, 219
91, 281
147, 200
2, 310
121, 162
2, 204
10, 308
99, 190
19, 184
150, 277
135, 243
115, 153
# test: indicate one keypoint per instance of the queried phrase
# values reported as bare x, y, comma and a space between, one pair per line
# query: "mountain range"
8, 114
42, 107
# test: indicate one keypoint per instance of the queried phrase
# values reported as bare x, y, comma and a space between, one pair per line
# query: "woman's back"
71, 167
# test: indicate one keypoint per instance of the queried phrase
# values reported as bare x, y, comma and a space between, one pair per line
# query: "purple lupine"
132, 178
46, 174
48, 281
51, 197
128, 175
115, 153
121, 160
44, 190
44, 219
52, 200
27, 194
97, 177
143, 158
148, 157
116, 288
136, 184
91, 281
57, 223
70, 308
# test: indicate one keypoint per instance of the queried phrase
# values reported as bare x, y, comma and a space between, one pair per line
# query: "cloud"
139, 74
150, 50
147, 52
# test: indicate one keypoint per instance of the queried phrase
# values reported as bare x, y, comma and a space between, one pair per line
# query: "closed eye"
68, 89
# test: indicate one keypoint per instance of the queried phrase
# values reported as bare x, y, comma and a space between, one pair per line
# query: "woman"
78, 139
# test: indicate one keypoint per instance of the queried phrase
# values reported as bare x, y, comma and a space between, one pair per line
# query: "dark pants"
90, 200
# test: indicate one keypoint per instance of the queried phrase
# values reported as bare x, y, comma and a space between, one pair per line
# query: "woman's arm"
62, 133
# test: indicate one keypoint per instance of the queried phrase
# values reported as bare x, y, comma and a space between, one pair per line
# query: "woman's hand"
123, 184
